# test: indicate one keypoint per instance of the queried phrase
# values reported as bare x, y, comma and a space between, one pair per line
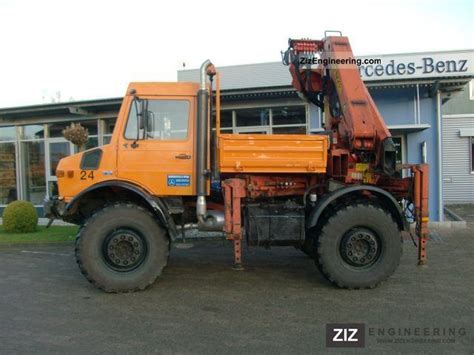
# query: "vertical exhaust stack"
213, 220
201, 141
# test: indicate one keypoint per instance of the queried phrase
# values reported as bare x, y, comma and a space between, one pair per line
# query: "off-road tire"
330, 258
91, 238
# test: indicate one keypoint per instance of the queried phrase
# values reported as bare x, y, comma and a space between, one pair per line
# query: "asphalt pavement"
280, 303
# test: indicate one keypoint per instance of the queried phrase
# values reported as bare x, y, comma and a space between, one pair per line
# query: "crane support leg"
420, 196
234, 191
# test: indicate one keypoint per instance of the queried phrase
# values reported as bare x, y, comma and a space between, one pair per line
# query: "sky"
93, 49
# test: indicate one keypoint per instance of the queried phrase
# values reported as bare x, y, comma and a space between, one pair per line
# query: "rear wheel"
122, 248
359, 246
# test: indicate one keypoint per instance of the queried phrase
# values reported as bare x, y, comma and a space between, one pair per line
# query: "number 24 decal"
85, 175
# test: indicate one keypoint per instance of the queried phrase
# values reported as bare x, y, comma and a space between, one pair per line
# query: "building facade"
410, 91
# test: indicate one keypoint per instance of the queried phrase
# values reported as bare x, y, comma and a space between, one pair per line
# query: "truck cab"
155, 153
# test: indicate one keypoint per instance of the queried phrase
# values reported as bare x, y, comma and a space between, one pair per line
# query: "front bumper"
54, 207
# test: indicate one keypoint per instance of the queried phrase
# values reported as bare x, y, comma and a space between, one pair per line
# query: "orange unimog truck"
337, 195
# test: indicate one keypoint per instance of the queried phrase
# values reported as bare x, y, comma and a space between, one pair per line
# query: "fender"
155, 204
324, 202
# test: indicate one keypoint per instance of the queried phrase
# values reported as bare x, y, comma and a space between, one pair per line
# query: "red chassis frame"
414, 189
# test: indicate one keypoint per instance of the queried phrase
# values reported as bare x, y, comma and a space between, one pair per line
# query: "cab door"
159, 154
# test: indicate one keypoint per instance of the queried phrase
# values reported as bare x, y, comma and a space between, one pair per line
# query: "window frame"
15, 130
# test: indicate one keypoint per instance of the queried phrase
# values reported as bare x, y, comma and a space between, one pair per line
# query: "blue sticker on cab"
179, 180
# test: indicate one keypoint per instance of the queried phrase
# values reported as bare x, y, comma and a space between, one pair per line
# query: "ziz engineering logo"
347, 335
353, 335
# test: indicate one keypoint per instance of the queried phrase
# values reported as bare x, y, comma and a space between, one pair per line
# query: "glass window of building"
289, 115
32, 132
252, 117
92, 142
226, 119
7, 133
56, 129
34, 174
53, 188
91, 126
108, 129
109, 125
289, 130
57, 151
8, 191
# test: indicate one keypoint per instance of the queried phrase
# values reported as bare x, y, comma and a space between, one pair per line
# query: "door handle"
183, 156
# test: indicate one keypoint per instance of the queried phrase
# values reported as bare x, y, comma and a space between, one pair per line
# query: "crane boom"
359, 133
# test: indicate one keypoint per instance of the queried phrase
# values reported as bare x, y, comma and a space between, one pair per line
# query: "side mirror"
142, 115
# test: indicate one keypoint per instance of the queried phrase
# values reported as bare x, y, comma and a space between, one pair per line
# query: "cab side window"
166, 120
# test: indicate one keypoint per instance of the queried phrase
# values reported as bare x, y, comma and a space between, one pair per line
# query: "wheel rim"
124, 250
360, 247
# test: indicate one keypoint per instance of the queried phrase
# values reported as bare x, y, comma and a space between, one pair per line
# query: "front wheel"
122, 248
359, 246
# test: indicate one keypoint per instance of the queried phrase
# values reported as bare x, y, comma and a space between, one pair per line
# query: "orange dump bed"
275, 153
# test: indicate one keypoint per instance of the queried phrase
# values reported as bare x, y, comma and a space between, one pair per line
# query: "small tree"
76, 134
